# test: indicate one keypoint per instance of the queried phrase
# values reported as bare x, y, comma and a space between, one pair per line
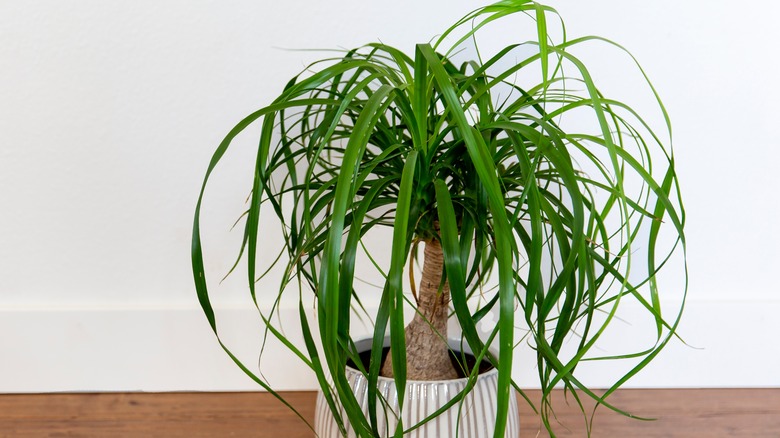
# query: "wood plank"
162, 415
689, 413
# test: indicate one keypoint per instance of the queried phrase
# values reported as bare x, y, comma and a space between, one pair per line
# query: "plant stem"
427, 354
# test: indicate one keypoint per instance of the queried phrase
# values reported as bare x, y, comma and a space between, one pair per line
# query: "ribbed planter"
473, 418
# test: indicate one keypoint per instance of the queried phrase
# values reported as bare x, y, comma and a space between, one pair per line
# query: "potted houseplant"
470, 163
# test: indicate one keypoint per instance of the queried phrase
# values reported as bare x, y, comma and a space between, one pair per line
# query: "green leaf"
399, 251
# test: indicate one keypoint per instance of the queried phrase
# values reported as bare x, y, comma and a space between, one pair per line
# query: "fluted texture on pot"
473, 418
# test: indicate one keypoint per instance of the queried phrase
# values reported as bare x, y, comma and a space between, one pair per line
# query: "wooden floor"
688, 413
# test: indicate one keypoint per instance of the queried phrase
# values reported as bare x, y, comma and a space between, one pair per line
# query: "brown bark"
427, 356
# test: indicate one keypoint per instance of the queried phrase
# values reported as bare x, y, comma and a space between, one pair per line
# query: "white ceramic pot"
474, 419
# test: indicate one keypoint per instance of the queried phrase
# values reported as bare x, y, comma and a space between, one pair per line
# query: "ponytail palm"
545, 228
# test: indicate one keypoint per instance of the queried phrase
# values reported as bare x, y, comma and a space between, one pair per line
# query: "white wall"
109, 113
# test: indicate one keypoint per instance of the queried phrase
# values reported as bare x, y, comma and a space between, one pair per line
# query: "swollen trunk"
427, 356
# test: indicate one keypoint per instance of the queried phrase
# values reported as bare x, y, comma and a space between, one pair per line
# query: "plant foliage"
572, 222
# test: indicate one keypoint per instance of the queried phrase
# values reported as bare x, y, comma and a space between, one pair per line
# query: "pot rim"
364, 344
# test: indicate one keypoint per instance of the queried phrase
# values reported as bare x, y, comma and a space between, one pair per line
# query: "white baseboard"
734, 344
